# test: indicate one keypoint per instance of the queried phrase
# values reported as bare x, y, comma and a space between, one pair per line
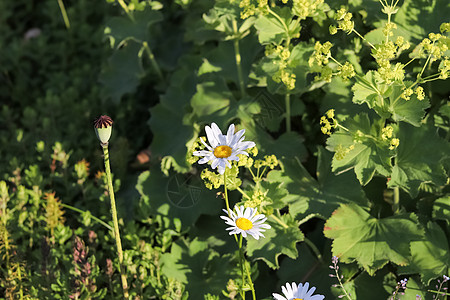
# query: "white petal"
204, 160
278, 297
212, 135
221, 170
237, 137
230, 134
215, 163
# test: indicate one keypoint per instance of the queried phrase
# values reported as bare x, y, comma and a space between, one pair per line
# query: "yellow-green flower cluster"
211, 179
407, 92
341, 152
386, 132
319, 59
345, 22
434, 46
280, 56
444, 68
252, 7
247, 161
256, 200
387, 51
401, 43
81, 171
270, 161
196, 146
386, 135
326, 124
420, 93
321, 54
445, 27
388, 27
346, 71
305, 8
394, 143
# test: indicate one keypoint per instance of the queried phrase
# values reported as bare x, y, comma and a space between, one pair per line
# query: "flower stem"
64, 14
241, 263
125, 8
151, 56
279, 221
288, 112
314, 249
226, 192
93, 217
115, 221
396, 204
237, 56
19, 277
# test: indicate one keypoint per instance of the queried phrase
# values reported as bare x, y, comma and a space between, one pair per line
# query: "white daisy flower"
223, 148
246, 221
300, 292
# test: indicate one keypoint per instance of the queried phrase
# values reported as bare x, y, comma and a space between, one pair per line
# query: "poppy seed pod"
103, 129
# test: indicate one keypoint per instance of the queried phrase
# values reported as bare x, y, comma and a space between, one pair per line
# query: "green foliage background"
164, 70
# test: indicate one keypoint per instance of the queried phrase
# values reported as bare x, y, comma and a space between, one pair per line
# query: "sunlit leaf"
278, 240
430, 256
371, 242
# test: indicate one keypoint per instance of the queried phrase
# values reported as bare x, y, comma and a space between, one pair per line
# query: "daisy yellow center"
244, 224
297, 299
222, 151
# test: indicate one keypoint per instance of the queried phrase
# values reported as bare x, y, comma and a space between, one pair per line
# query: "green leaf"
430, 256
296, 64
213, 102
270, 29
366, 153
278, 240
224, 56
321, 196
170, 128
178, 196
411, 111
418, 160
441, 209
372, 242
368, 90
198, 266
123, 72
420, 17
122, 28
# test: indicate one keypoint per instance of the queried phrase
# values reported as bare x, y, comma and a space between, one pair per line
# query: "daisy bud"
103, 129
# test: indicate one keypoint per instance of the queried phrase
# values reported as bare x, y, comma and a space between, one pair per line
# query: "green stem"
241, 262
342, 286
64, 14
279, 221
226, 192
237, 56
243, 193
288, 112
396, 203
226, 197
153, 60
364, 39
282, 23
250, 282
93, 217
314, 249
115, 221
19, 277
125, 8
